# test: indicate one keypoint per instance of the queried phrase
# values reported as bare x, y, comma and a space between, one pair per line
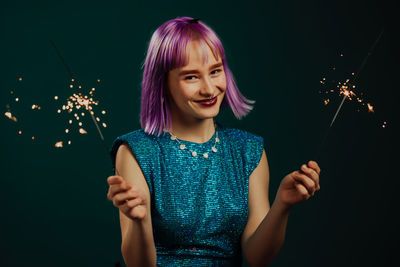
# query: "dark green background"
55, 211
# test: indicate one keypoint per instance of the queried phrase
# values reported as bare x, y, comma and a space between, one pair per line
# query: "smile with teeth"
207, 100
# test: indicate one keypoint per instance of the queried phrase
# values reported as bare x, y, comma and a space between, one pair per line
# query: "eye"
188, 77
217, 70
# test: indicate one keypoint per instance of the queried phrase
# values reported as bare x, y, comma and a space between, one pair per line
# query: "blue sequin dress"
199, 205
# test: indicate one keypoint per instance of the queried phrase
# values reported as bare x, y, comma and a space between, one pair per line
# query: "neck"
197, 130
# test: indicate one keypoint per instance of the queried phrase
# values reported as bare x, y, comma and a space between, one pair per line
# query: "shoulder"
250, 146
139, 142
243, 138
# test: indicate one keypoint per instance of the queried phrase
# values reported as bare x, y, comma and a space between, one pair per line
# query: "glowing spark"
16, 99
56, 98
103, 112
80, 123
104, 125
370, 107
35, 107
10, 116
66, 130
326, 101
98, 80
69, 142
384, 124
97, 119
33, 138
59, 144
19, 132
82, 131
59, 111
20, 79
70, 121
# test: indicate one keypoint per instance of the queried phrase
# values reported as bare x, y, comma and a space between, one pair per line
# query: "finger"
315, 166
134, 202
111, 180
310, 172
120, 199
306, 181
119, 188
302, 190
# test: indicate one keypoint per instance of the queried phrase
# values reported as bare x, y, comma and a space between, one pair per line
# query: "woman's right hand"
129, 199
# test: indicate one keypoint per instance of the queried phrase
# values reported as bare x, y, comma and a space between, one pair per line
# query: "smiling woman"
196, 91
181, 51
191, 192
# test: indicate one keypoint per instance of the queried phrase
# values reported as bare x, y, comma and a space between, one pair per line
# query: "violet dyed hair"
168, 49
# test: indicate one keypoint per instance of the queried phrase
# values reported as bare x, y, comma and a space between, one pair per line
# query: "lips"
206, 100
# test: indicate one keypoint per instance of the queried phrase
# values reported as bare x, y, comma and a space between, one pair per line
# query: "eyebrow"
184, 72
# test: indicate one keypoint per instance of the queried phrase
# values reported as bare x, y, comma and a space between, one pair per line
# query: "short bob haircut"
168, 49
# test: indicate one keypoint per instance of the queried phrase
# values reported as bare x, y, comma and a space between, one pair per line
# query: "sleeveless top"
199, 206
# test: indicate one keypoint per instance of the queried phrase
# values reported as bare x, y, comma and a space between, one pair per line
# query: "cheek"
221, 82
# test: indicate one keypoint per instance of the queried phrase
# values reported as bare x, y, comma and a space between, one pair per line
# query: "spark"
82, 131
10, 116
370, 107
59, 144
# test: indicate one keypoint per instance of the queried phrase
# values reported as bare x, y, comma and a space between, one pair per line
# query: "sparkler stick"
347, 93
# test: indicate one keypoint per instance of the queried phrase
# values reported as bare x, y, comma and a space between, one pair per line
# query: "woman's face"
195, 82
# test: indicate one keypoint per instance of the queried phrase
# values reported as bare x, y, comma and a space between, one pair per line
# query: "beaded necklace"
194, 153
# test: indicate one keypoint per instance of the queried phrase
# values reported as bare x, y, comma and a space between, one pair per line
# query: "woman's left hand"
299, 186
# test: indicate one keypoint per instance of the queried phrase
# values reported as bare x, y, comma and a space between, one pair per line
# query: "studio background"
55, 211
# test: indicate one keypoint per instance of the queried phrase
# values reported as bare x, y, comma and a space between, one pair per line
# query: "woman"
191, 192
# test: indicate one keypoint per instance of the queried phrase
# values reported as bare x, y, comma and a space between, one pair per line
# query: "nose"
207, 88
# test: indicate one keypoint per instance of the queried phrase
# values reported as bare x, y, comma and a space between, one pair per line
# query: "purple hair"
168, 49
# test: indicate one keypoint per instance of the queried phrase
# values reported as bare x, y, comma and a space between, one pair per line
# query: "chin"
209, 113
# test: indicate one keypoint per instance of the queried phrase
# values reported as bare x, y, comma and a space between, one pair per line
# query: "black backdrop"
55, 211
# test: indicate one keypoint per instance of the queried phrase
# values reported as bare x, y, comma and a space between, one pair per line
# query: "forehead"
199, 53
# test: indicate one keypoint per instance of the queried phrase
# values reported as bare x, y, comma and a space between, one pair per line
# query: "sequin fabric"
199, 205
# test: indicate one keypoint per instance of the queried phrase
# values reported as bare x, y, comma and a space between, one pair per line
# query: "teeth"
207, 101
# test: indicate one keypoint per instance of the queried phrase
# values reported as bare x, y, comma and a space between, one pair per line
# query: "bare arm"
265, 231
137, 247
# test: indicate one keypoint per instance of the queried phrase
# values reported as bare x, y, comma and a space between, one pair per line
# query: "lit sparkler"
80, 104
347, 90
77, 101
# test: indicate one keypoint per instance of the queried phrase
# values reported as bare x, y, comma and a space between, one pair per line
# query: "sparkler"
79, 104
78, 101
347, 90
